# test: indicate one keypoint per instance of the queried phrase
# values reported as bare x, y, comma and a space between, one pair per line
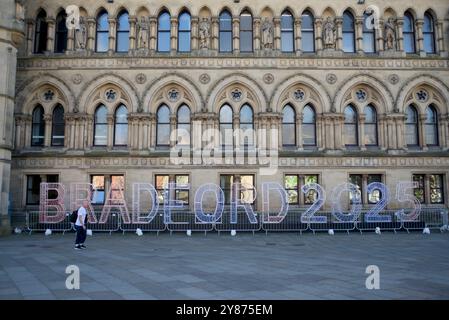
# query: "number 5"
402, 196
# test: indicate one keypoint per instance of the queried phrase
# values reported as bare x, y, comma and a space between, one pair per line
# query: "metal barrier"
112, 223
156, 225
243, 223
394, 225
331, 223
291, 223
33, 224
428, 218
184, 220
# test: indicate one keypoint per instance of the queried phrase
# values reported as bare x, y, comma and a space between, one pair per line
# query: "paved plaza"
277, 266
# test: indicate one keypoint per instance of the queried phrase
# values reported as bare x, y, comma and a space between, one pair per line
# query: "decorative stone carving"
268, 78
81, 35
141, 78
390, 34
173, 95
204, 30
48, 95
331, 78
299, 94
77, 78
361, 95
143, 32
110, 95
267, 34
422, 95
236, 94
204, 78
393, 78
329, 33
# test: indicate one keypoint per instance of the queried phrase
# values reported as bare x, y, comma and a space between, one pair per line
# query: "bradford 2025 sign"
53, 210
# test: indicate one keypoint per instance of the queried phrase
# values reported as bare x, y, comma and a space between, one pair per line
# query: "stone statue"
81, 35
329, 33
267, 34
390, 34
142, 33
204, 33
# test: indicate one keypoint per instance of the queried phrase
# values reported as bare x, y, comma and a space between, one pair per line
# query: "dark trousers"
80, 235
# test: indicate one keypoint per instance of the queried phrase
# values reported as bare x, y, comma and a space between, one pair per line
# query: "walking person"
80, 226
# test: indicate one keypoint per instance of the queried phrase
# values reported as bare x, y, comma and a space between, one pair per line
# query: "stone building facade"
344, 91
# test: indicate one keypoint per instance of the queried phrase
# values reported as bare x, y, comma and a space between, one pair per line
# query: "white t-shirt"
82, 213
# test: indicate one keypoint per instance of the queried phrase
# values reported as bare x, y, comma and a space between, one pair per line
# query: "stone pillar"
422, 134
236, 34
112, 30
299, 143
30, 36
440, 38
380, 36
70, 40
400, 35
153, 34
48, 122
50, 34
110, 139
318, 35
362, 131
298, 35
277, 33
132, 33
174, 34
420, 37
91, 22
359, 35
256, 39
172, 129
339, 23
195, 21
11, 36
214, 34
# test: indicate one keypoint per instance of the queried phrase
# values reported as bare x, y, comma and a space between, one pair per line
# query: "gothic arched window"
288, 126
308, 126
369, 34
370, 126
57, 126
183, 125
163, 32
102, 43
184, 32
40, 32
348, 32
226, 126
246, 32
61, 33
122, 44
429, 33
101, 126
307, 32
247, 124
431, 126
409, 33
38, 127
163, 126
225, 43
351, 134
287, 35
121, 126
411, 126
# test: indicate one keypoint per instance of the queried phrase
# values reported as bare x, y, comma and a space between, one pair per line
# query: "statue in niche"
329, 31
143, 32
81, 35
267, 34
390, 34
204, 33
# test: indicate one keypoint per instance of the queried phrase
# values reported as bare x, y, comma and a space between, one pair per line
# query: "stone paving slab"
277, 266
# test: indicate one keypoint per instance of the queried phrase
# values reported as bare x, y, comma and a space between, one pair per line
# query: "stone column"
214, 34
359, 34
91, 22
440, 38
174, 34
153, 132
298, 35
112, 29
195, 21
110, 139
339, 24
132, 33
400, 35
362, 131
48, 123
30, 36
277, 33
256, 39
299, 143
422, 134
50, 34
318, 35
172, 128
70, 40
153, 34
420, 37
236, 34
380, 36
